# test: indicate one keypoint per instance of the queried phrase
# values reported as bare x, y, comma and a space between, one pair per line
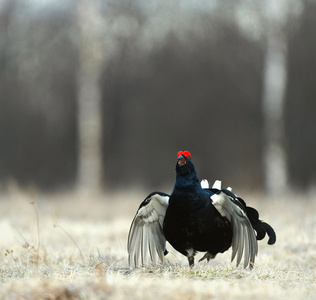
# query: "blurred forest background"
104, 93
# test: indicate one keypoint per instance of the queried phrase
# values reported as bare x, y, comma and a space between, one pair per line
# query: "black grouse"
195, 218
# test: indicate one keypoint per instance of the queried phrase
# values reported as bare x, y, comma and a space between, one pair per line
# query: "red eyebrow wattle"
187, 154
180, 153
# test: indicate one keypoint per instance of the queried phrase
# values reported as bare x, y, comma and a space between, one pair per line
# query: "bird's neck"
187, 183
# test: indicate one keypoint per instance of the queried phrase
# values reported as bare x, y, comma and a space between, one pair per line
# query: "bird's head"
184, 164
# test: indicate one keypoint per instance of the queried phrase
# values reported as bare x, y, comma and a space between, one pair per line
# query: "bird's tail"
261, 228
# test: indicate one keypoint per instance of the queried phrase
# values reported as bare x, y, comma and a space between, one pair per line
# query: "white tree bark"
275, 77
89, 96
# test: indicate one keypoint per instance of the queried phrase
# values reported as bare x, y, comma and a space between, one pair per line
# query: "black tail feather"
270, 232
261, 233
260, 227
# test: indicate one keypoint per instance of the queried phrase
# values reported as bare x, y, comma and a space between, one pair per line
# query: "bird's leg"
207, 256
191, 261
190, 255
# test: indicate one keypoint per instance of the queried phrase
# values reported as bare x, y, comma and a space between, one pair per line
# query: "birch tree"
275, 77
89, 95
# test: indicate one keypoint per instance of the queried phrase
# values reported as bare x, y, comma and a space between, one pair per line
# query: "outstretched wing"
244, 238
146, 241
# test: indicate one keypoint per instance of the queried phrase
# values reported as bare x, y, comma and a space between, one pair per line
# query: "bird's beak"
181, 160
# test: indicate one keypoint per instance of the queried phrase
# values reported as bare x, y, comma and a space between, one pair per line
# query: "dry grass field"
69, 246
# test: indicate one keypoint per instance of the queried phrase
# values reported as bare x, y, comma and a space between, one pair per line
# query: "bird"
195, 218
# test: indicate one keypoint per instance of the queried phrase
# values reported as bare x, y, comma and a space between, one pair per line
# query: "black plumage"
195, 219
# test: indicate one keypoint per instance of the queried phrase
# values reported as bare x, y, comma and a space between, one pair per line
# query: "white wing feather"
146, 241
244, 238
204, 184
217, 185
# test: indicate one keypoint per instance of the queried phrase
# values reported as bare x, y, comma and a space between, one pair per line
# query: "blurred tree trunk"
89, 95
275, 77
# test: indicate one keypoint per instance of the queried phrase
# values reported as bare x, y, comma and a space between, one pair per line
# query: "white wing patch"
244, 239
146, 241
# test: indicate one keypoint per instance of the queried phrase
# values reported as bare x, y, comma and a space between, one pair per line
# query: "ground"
73, 246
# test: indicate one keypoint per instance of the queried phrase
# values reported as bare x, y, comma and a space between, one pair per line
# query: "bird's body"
195, 219
193, 224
